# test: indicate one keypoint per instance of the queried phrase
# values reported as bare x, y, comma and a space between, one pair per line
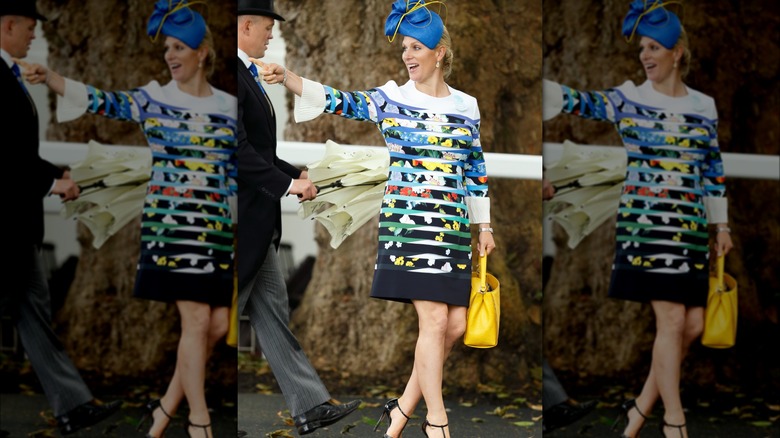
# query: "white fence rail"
752, 166
301, 154
515, 166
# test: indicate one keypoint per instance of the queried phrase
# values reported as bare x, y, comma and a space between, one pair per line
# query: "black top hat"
25, 8
258, 7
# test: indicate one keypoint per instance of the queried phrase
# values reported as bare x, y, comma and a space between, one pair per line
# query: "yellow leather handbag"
720, 316
232, 334
484, 312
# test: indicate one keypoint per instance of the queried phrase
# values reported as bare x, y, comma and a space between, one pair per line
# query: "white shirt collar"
7, 58
244, 57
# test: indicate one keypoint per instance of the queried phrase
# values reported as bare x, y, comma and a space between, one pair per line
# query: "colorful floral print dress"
436, 168
674, 169
186, 225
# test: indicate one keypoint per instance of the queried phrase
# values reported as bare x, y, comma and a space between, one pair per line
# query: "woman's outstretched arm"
278, 74
39, 74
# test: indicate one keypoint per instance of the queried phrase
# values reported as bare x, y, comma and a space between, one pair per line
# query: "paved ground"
30, 416
740, 420
265, 416
262, 415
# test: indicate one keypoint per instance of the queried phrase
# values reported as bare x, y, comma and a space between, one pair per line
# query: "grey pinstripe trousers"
552, 390
269, 314
31, 310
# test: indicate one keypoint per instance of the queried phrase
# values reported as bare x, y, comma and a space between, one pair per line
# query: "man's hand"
304, 188
66, 188
548, 190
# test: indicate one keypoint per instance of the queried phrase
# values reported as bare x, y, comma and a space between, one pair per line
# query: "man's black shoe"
323, 415
564, 414
86, 415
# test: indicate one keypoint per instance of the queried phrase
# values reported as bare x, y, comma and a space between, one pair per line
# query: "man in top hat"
29, 304
263, 179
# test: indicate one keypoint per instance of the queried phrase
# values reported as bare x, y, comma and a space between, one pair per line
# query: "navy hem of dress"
643, 287
404, 287
213, 289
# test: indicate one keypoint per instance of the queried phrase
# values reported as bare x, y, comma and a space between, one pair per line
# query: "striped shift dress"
674, 168
186, 225
436, 168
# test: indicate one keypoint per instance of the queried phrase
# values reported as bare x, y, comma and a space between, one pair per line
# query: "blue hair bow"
175, 18
413, 18
652, 20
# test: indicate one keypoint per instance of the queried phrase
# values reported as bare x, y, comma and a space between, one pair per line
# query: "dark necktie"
18, 74
253, 70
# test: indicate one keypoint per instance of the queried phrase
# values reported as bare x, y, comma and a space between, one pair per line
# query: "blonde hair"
210, 62
684, 65
446, 42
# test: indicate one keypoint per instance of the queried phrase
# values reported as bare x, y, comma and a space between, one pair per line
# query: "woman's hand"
272, 73
723, 243
278, 74
39, 74
34, 73
486, 244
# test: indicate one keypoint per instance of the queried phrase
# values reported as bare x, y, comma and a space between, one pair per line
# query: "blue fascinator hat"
175, 18
651, 19
413, 18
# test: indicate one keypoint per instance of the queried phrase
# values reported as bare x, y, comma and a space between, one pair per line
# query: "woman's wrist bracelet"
723, 230
488, 229
284, 77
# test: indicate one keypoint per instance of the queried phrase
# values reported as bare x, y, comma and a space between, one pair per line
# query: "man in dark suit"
29, 304
263, 179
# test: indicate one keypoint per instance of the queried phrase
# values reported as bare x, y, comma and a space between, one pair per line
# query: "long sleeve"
593, 105
270, 179
80, 98
476, 181
317, 98
552, 99
714, 181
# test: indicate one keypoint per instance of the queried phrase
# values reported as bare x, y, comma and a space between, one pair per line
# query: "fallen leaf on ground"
535, 407
524, 423
761, 423
347, 428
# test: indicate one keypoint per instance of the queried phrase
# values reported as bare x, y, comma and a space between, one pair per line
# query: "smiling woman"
187, 223
674, 189
186, 64
437, 187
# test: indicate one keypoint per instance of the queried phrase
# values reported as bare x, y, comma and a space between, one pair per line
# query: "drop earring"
437, 64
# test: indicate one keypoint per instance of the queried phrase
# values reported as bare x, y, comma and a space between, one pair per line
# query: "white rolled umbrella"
350, 184
588, 183
113, 185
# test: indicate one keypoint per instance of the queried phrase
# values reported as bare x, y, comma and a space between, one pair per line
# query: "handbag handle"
719, 267
482, 273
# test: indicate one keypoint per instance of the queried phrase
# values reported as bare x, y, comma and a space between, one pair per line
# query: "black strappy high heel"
679, 427
205, 427
389, 406
150, 408
427, 424
627, 406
